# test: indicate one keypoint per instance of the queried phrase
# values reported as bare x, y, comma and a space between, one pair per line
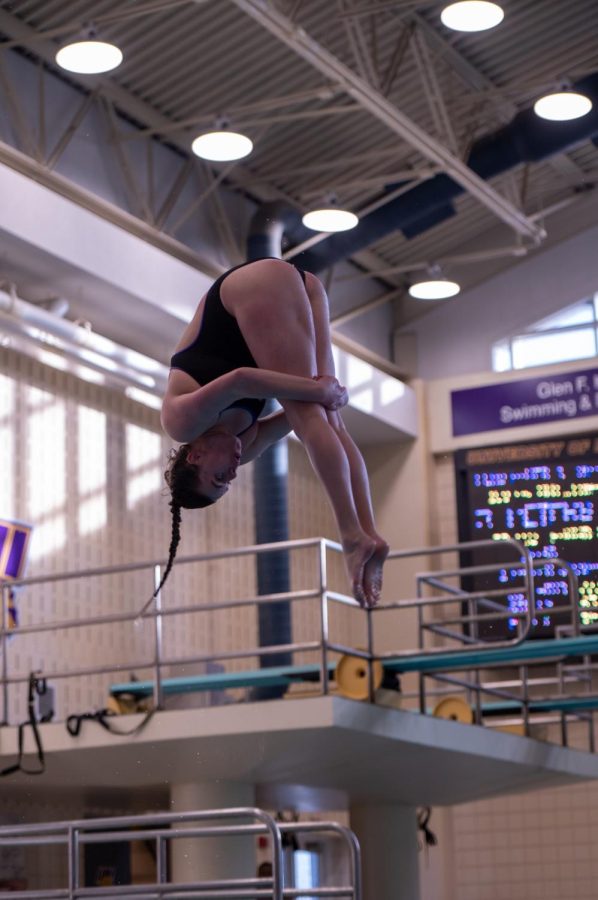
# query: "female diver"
260, 332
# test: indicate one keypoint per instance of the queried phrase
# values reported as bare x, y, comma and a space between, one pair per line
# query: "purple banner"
532, 401
16, 557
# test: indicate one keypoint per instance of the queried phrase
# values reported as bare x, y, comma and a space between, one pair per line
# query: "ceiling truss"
378, 105
345, 91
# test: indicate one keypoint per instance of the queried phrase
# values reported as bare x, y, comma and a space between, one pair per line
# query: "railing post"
158, 692
161, 860
277, 861
355, 851
73, 862
531, 594
370, 637
323, 572
523, 673
420, 643
4, 650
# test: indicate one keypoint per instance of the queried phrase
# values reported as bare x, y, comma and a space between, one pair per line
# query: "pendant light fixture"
88, 55
434, 287
330, 217
221, 144
563, 105
472, 15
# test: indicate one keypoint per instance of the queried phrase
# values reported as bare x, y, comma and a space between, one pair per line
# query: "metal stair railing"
159, 616
161, 829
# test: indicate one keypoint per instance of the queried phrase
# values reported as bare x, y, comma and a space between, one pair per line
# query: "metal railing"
460, 629
322, 645
162, 829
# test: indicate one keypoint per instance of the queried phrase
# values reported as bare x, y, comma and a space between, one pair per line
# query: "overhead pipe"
50, 331
526, 139
270, 477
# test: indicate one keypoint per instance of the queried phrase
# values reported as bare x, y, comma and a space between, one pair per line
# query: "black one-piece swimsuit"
219, 347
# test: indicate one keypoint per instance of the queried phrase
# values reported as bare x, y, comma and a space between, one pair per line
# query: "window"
569, 334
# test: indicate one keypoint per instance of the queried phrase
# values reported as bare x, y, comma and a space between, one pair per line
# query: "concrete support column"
387, 834
206, 859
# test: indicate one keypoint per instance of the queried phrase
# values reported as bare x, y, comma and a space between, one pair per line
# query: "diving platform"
369, 752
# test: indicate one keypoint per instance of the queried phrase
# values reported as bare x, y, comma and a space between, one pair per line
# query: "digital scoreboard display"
542, 493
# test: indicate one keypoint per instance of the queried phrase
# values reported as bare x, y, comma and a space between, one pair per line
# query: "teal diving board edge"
528, 652
550, 704
215, 681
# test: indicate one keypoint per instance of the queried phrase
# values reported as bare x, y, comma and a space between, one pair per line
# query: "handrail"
76, 833
526, 614
248, 550
323, 644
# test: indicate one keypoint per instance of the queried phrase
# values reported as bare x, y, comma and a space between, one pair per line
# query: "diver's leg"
360, 484
272, 308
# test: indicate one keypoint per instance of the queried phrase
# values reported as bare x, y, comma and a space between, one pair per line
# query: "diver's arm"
268, 431
187, 414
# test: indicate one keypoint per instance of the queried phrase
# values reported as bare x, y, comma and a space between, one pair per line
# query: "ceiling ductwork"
526, 139
270, 475
268, 227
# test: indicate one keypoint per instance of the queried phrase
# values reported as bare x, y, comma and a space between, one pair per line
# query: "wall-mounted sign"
14, 538
531, 401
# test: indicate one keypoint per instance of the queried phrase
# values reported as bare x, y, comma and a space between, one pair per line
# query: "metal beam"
137, 198
357, 42
305, 46
340, 164
142, 112
432, 90
128, 103
363, 308
22, 131
63, 141
234, 113
391, 6
459, 259
396, 60
375, 182
504, 107
24, 164
75, 25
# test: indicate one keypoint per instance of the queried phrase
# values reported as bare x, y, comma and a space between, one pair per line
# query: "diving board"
526, 652
566, 703
215, 681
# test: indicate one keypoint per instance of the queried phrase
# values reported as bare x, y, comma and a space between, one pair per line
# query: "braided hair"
181, 478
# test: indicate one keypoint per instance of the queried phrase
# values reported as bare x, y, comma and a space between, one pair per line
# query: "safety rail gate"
461, 648
162, 829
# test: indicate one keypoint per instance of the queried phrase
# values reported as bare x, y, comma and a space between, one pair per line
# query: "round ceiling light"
89, 57
434, 289
472, 15
562, 106
222, 146
330, 219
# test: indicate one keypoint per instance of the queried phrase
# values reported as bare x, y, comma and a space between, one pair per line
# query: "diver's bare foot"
372, 574
358, 552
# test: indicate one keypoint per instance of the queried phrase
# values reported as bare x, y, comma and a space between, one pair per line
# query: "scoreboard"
542, 493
